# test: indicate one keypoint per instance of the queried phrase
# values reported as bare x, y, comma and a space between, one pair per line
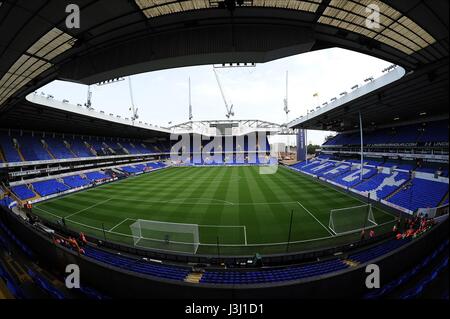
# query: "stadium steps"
68, 146
423, 274
350, 262
193, 277
48, 283
50, 153
4, 292
22, 158
398, 190
35, 197
2, 158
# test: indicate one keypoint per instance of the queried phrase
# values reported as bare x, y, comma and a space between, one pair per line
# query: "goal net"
351, 219
165, 235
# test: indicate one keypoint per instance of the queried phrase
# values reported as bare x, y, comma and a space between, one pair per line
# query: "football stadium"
228, 207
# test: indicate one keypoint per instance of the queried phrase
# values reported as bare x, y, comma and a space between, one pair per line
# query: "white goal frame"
369, 219
176, 228
179, 228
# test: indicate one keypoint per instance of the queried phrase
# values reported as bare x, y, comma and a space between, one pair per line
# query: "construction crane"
88, 103
285, 101
133, 109
230, 111
190, 102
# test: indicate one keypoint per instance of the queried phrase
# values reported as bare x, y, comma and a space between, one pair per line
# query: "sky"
256, 92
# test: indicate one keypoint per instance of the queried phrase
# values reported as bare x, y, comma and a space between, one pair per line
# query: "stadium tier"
19, 147
420, 193
397, 187
76, 181
94, 176
49, 187
429, 132
124, 193
23, 192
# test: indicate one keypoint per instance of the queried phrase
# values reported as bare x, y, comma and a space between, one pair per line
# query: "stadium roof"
415, 96
128, 37
225, 127
43, 115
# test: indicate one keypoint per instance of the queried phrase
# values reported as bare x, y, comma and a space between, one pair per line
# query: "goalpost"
186, 238
351, 219
165, 235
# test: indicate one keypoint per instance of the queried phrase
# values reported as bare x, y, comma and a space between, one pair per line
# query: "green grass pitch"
255, 208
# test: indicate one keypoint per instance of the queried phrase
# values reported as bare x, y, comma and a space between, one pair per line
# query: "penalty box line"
312, 215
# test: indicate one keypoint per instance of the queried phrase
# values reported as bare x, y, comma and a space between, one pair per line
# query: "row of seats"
377, 251
397, 187
76, 181
139, 266
23, 192
18, 147
430, 132
383, 184
274, 275
49, 187
53, 186
386, 289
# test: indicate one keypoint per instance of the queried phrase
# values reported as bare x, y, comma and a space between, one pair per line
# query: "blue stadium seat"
58, 148
23, 192
49, 187
76, 181
94, 176
420, 193
10, 153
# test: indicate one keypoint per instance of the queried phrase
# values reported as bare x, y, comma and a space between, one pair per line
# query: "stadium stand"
156, 165
381, 185
377, 251
23, 192
140, 266
406, 277
271, 276
9, 151
430, 132
49, 187
32, 148
58, 148
352, 178
79, 148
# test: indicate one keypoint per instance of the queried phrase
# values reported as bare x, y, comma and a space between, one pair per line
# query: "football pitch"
223, 210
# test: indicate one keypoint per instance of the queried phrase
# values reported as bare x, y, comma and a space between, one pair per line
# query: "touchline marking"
85, 209
204, 244
326, 228
123, 221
